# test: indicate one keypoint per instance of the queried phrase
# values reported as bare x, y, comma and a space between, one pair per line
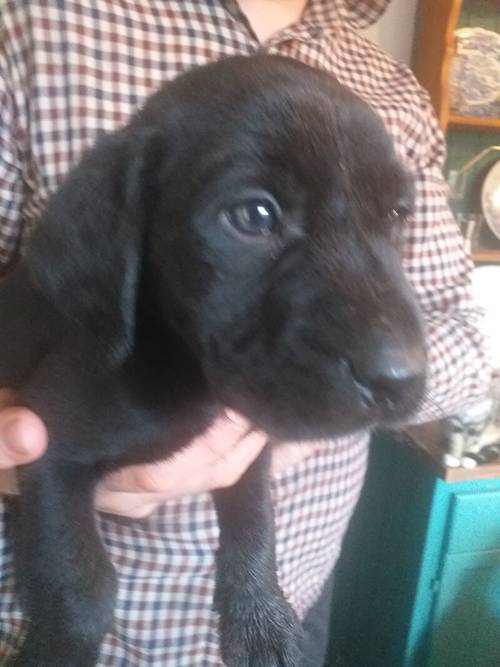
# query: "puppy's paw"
56, 654
23, 659
28, 660
266, 633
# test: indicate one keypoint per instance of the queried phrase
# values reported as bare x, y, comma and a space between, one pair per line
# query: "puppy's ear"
85, 255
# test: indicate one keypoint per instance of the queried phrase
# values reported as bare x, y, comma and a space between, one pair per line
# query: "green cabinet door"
466, 619
418, 581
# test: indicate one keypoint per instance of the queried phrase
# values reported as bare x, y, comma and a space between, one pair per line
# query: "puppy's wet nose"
385, 376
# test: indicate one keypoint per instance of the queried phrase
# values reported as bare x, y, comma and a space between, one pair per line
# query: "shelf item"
474, 85
490, 198
479, 179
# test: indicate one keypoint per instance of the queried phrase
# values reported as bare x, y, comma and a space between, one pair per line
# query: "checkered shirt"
71, 70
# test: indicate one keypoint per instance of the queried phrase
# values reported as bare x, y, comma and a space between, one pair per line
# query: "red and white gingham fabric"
70, 70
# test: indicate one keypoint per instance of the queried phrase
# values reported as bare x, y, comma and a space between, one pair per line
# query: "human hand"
215, 459
23, 438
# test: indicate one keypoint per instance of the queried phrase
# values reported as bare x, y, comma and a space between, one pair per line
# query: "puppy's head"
262, 202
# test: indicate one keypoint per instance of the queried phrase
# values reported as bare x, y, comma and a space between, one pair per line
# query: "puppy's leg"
258, 628
66, 582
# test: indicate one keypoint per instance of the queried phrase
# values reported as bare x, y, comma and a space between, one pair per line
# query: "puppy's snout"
389, 374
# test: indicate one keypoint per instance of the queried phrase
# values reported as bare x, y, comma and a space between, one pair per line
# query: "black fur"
152, 294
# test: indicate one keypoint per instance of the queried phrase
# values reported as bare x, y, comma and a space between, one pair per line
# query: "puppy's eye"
255, 217
394, 215
397, 219
398, 215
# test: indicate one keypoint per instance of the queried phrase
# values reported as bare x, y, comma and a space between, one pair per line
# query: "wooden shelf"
479, 122
486, 256
428, 440
435, 48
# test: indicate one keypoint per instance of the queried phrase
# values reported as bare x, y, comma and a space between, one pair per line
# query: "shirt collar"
327, 13
363, 13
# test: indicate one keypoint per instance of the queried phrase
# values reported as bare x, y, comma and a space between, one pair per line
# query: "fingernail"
234, 416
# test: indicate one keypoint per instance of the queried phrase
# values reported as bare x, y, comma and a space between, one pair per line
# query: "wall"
394, 31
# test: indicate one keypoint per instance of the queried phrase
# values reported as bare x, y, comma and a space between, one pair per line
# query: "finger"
222, 435
202, 454
234, 464
131, 505
236, 417
149, 478
23, 437
192, 471
291, 453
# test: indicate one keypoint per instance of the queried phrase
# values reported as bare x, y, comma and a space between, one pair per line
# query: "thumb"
23, 437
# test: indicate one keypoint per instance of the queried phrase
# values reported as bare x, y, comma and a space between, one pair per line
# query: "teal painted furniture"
418, 583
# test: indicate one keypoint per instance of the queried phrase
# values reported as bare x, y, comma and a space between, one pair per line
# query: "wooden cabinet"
467, 612
418, 583
435, 48
467, 136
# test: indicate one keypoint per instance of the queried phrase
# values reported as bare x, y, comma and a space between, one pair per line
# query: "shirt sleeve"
440, 270
11, 182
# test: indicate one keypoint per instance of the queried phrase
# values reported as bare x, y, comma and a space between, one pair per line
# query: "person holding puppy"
69, 71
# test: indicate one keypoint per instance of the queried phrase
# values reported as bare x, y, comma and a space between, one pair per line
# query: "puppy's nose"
386, 375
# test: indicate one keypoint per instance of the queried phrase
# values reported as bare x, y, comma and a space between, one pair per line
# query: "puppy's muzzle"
387, 372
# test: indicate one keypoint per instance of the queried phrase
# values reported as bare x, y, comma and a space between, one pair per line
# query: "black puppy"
236, 244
